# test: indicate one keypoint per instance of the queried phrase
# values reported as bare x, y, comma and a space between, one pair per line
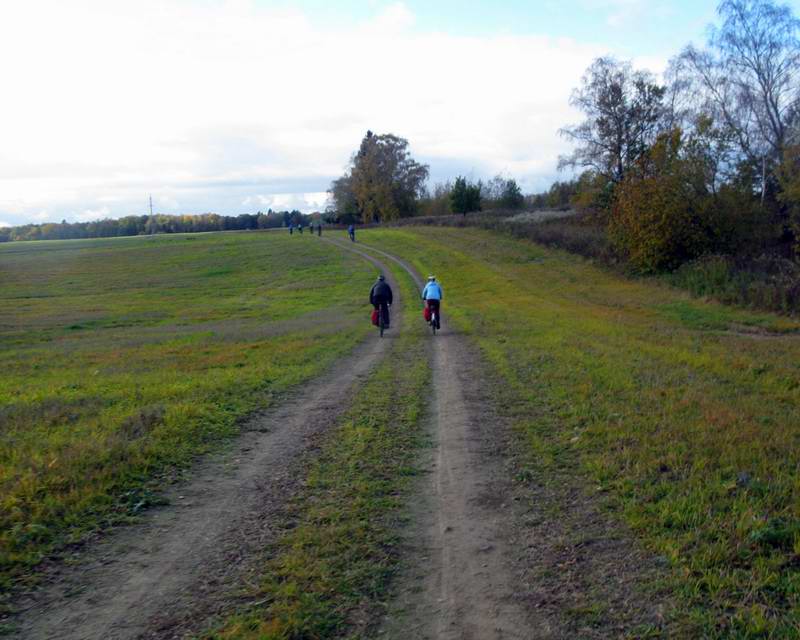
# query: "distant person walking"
380, 297
351, 231
300, 228
319, 228
291, 228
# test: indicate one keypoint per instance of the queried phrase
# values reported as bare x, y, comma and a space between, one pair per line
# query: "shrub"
593, 195
765, 282
670, 209
572, 233
656, 220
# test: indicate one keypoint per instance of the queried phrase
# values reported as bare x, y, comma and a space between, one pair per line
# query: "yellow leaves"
653, 222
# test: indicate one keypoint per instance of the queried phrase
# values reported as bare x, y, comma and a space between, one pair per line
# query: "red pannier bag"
375, 317
426, 313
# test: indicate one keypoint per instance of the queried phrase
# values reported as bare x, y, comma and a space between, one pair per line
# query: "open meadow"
122, 359
674, 421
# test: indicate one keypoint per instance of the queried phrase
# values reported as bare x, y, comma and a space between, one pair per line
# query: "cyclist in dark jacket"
380, 297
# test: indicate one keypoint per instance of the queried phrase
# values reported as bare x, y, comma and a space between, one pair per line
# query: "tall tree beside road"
383, 182
624, 111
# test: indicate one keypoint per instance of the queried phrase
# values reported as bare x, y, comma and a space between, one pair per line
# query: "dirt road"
171, 574
460, 580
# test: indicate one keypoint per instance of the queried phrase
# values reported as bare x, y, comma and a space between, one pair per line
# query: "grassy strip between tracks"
122, 359
681, 414
333, 567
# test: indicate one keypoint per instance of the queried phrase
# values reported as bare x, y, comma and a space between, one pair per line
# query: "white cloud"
5, 224
164, 203
92, 214
282, 201
395, 17
204, 105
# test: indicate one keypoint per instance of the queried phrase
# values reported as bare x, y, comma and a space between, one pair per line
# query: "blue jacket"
432, 291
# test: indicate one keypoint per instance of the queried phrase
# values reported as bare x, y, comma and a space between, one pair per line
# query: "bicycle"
434, 318
381, 324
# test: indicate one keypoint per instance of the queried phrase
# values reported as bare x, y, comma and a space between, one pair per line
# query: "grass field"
122, 359
683, 415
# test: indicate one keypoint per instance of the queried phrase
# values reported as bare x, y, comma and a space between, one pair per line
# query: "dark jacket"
381, 292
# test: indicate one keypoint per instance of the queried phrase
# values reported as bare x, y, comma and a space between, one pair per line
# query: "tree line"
706, 160
384, 183
158, 223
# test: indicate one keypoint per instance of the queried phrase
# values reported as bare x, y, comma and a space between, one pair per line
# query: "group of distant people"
351, 230
311, 227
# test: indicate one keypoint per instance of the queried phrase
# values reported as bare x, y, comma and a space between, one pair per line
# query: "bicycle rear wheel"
434, 317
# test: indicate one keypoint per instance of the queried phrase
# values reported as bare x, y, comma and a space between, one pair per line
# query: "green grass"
122, 359
686, 424
698, 315
333, 567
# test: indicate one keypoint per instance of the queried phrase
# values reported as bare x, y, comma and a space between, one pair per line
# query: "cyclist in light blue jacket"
432, 295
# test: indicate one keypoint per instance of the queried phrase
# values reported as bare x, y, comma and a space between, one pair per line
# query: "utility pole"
151, 206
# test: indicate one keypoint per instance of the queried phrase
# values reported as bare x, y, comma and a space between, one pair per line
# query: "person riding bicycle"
380, 297
432, 295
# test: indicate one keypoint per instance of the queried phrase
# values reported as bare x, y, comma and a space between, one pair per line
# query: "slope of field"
684, 416
121, 359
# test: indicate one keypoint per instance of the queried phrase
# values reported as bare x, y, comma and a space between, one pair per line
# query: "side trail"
460, 581
168, 576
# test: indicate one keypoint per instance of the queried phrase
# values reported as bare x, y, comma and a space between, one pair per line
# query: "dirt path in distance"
169, 576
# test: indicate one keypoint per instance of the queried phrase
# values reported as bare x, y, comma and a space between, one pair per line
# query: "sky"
236, 106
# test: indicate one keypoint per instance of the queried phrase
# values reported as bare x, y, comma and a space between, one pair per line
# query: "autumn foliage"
657, 215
